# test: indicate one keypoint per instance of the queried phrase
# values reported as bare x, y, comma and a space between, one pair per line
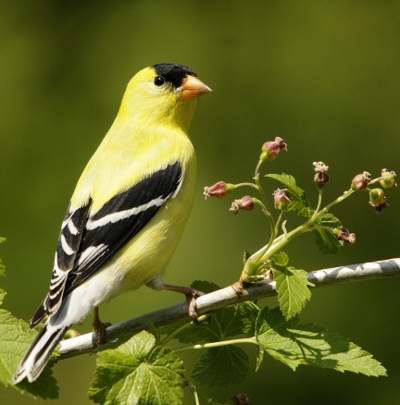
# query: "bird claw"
100, 333
191, 297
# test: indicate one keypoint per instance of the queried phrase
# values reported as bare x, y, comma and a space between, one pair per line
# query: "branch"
218, 299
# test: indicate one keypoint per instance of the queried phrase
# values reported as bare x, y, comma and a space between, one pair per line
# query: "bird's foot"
100, 332
99, 329
191, 298
190, 293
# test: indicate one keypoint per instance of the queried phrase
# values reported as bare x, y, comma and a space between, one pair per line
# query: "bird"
127, 212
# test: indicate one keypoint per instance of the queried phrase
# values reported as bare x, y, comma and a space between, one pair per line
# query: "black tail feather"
39, 354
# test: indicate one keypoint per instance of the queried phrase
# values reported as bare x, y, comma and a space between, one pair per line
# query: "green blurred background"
324, 75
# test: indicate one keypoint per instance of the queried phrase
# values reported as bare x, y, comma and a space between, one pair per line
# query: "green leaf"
221, 366
293, 290
295, 344
300, 207
229, 322
299, 204
325, 237
138, 372
204, 286
260, 358
280, 259
288, 181
15, 339
2, 295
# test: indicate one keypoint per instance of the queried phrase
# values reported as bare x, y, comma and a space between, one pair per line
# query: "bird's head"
164, 93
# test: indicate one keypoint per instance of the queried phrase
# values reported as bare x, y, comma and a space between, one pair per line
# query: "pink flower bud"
245, 203
388, 178
271, 149
377, 199
361, 181
218, 190
321, 174
281, 199
344, 235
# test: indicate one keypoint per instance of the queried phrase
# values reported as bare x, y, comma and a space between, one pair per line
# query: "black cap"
173, 72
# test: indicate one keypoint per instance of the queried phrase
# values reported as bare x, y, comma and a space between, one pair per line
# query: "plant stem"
221, 343
278, 223
246, 184
257, 179
319, 202
217, 300
195, 394
257, 259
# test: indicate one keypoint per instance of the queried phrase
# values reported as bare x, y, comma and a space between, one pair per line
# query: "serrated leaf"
325, 237
221, 366
138, 372
300, 207
15, 339
330, 220
295, 344
228, 322
293, 290
288, 181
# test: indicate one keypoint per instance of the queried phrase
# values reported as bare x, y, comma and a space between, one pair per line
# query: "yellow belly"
148, 253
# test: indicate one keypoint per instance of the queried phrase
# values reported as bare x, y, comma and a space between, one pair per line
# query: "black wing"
87, 242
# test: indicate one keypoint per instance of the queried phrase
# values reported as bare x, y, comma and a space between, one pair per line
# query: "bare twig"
221, 298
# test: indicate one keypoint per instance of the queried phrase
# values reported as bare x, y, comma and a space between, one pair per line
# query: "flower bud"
344, 235
218, 190
245, 203
388, 178
321, 174
361, 181
281, 198
271, 149
377, 199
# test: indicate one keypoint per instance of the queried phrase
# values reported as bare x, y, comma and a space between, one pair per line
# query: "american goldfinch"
128, 210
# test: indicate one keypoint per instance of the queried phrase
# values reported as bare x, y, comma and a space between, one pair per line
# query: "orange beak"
192, 88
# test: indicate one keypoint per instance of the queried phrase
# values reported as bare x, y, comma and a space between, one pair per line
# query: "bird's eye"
159, 81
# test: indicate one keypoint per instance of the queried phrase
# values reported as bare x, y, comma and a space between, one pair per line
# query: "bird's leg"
190, 293
99, 328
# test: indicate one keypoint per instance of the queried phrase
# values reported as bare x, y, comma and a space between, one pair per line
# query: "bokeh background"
323, 75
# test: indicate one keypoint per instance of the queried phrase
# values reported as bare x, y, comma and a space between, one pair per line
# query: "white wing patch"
120, 215
90, 252
66, 248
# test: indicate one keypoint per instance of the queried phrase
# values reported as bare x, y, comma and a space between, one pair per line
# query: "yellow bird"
128, 210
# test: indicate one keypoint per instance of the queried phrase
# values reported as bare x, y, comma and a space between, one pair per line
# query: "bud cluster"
344, 235
377, 199
245, 203
321, 174
218, 190
388, 178
271, 149
281, 198
361, 181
